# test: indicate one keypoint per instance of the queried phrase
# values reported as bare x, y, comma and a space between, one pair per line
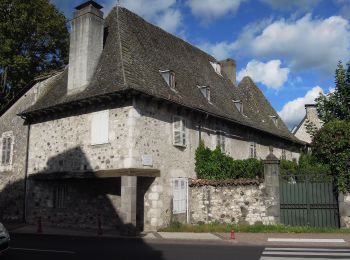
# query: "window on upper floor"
252, 150
169, 77
179, 131
284, 154
100, 127
205, 90
274, 120
239, 105
6, 148
220, 140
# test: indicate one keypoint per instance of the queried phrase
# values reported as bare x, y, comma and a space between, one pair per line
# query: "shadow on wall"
67, 193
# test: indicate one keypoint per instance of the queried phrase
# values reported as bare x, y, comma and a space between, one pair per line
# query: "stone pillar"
128, 203
272, 187
344, 210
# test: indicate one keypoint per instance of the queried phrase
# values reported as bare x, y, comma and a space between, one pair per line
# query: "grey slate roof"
136, 50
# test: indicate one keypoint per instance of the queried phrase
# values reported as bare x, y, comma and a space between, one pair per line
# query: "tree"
331, 146
336, 105
34, 40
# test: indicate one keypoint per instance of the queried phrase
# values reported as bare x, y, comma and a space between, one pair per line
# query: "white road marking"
305, 240
305, 249
299, 258
42, 250
305, 253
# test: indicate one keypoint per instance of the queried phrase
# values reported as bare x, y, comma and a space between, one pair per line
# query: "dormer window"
239, 105
205, 90
217, 67
274, 120
169, 77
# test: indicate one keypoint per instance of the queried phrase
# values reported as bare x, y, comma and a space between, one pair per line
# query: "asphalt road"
66, 247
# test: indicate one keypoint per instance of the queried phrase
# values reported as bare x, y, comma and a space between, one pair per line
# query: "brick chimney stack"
86, 44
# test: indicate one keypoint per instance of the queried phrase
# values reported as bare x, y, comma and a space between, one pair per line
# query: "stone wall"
242, 204
344, 210
12, 176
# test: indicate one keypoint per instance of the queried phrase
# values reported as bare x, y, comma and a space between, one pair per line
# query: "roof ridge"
120, 45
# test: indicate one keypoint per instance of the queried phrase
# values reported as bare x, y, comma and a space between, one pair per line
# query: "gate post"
344, 209
272, 187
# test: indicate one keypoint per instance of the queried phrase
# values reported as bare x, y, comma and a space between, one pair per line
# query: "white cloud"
211, 9
294, 111
270, 74
306, 43
163, 13
288, 4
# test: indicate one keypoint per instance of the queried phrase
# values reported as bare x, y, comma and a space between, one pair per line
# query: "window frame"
274, 120
205, 91
240, 108
221, 140
179, 195
6, 152
181, 131
169, 78
60, 196
252, 145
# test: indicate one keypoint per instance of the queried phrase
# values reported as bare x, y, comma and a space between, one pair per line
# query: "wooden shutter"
179, 195
100, 127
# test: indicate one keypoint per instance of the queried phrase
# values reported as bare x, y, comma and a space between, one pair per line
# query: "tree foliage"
34, 39
331, 145
336, 105
216, 165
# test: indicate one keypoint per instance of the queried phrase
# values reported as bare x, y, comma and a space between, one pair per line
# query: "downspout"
26, 174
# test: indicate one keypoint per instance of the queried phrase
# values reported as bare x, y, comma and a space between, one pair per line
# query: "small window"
284, 155
179, 131
6, 149
60, 196
100, 127
205, 92
274, 120
238, 105
217, 67
169, 77
179, 195
220, 140
252, 150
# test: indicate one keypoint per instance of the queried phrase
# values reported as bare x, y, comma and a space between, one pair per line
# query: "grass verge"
258, 228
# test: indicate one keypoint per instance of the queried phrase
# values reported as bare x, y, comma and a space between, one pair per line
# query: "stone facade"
243, 204
12, 175
311, 116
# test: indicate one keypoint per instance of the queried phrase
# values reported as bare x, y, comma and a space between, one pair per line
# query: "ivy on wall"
216, 165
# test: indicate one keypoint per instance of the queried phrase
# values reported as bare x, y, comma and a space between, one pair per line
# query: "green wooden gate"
308, 200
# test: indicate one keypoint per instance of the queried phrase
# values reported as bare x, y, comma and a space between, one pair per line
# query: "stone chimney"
86, 44
311, 111
228, 67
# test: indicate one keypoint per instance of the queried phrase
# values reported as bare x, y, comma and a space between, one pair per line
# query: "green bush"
331, 146
215, 165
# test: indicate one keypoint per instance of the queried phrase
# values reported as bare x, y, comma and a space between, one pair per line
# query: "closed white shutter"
100, 127
179, 195
179, 131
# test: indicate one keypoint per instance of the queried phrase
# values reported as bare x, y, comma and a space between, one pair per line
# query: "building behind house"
311, 117
115, 133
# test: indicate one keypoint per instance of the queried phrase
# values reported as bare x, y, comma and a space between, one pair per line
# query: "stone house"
311, 116
114, 134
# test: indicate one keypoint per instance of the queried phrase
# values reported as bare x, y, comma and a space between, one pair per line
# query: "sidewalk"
248, 239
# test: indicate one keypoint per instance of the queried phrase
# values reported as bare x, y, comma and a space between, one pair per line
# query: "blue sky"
289, 48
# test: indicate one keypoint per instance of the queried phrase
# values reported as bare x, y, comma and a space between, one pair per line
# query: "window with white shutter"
179, 131
100, 127
179, 195
6, 149
220, 140
252, 150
